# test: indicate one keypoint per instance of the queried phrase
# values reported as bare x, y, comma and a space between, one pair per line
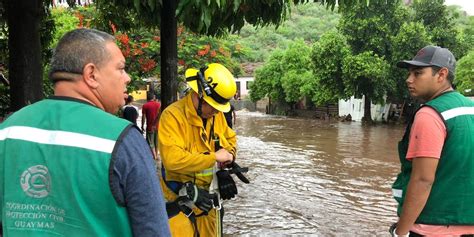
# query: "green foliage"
106, 13
327, 57
369, 30
465, 37
141, 45
214, 17
411, 37
65, 21
141, 52
307, 21
268, 79
283, 75
369, 27
296, 65
198, 50
465, 74
366, 74
439, 25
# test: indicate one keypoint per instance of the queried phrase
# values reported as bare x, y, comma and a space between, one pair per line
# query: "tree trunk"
367, 113
169, 53
24, 47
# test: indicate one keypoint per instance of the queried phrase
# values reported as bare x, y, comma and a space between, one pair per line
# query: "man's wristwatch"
394, 234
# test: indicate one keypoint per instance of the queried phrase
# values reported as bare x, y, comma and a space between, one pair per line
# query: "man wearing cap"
193, 137
435, 188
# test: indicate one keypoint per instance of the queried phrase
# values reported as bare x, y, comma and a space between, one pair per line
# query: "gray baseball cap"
431, 56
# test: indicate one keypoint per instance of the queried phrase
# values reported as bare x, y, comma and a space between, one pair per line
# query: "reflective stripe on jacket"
186, 148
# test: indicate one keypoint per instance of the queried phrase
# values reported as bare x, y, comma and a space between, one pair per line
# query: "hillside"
307, 21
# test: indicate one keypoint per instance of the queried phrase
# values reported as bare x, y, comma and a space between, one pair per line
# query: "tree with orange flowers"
212, 17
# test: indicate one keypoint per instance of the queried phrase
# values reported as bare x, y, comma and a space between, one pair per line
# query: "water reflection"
312, 177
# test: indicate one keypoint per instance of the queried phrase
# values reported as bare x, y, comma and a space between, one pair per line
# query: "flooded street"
313, 177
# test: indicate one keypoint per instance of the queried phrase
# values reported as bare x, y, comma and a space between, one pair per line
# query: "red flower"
123, 38
137, 52
181, 62
81, 19
213, 53
147, 65
126, 51
202, 52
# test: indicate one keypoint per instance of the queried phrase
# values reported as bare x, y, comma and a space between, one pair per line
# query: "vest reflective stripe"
206, 172
398, 193
449, 114
451, 197
61, 138
56, 156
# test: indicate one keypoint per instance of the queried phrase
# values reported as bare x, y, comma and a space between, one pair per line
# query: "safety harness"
183, 203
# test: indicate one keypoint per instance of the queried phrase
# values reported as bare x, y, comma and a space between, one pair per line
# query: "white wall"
243, 85
355, 107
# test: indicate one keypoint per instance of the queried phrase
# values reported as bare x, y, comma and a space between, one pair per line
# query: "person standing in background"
129, 111
150, 115
230, 116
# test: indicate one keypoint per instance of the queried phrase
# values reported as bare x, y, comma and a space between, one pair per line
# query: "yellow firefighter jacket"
188, 154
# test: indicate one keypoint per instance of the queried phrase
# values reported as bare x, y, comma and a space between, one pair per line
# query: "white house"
243, 86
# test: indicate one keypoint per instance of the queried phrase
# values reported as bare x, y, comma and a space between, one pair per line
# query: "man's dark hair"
129, 99
150, 96
436, 69
78, 48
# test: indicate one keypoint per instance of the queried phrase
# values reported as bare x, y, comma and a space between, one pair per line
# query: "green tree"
284, 74
327, 57
213, 17
411, 37
438, 23
464, 80
296, 65
365, 75
369, 29
465, 36
307, 21
268, 79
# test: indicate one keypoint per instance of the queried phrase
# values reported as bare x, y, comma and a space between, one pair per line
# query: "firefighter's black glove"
226, 184
237, 170
200, 197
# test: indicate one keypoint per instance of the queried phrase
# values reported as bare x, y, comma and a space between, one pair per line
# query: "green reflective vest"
451, 201
55, 163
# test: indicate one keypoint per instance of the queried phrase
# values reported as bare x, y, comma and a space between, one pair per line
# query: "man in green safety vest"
435, 188
68, 166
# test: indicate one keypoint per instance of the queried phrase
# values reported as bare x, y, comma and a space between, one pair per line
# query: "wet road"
313, 177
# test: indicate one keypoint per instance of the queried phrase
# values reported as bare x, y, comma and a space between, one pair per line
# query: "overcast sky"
467, 5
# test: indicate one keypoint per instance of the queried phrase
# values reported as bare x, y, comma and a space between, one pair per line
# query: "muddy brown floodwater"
313, 177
